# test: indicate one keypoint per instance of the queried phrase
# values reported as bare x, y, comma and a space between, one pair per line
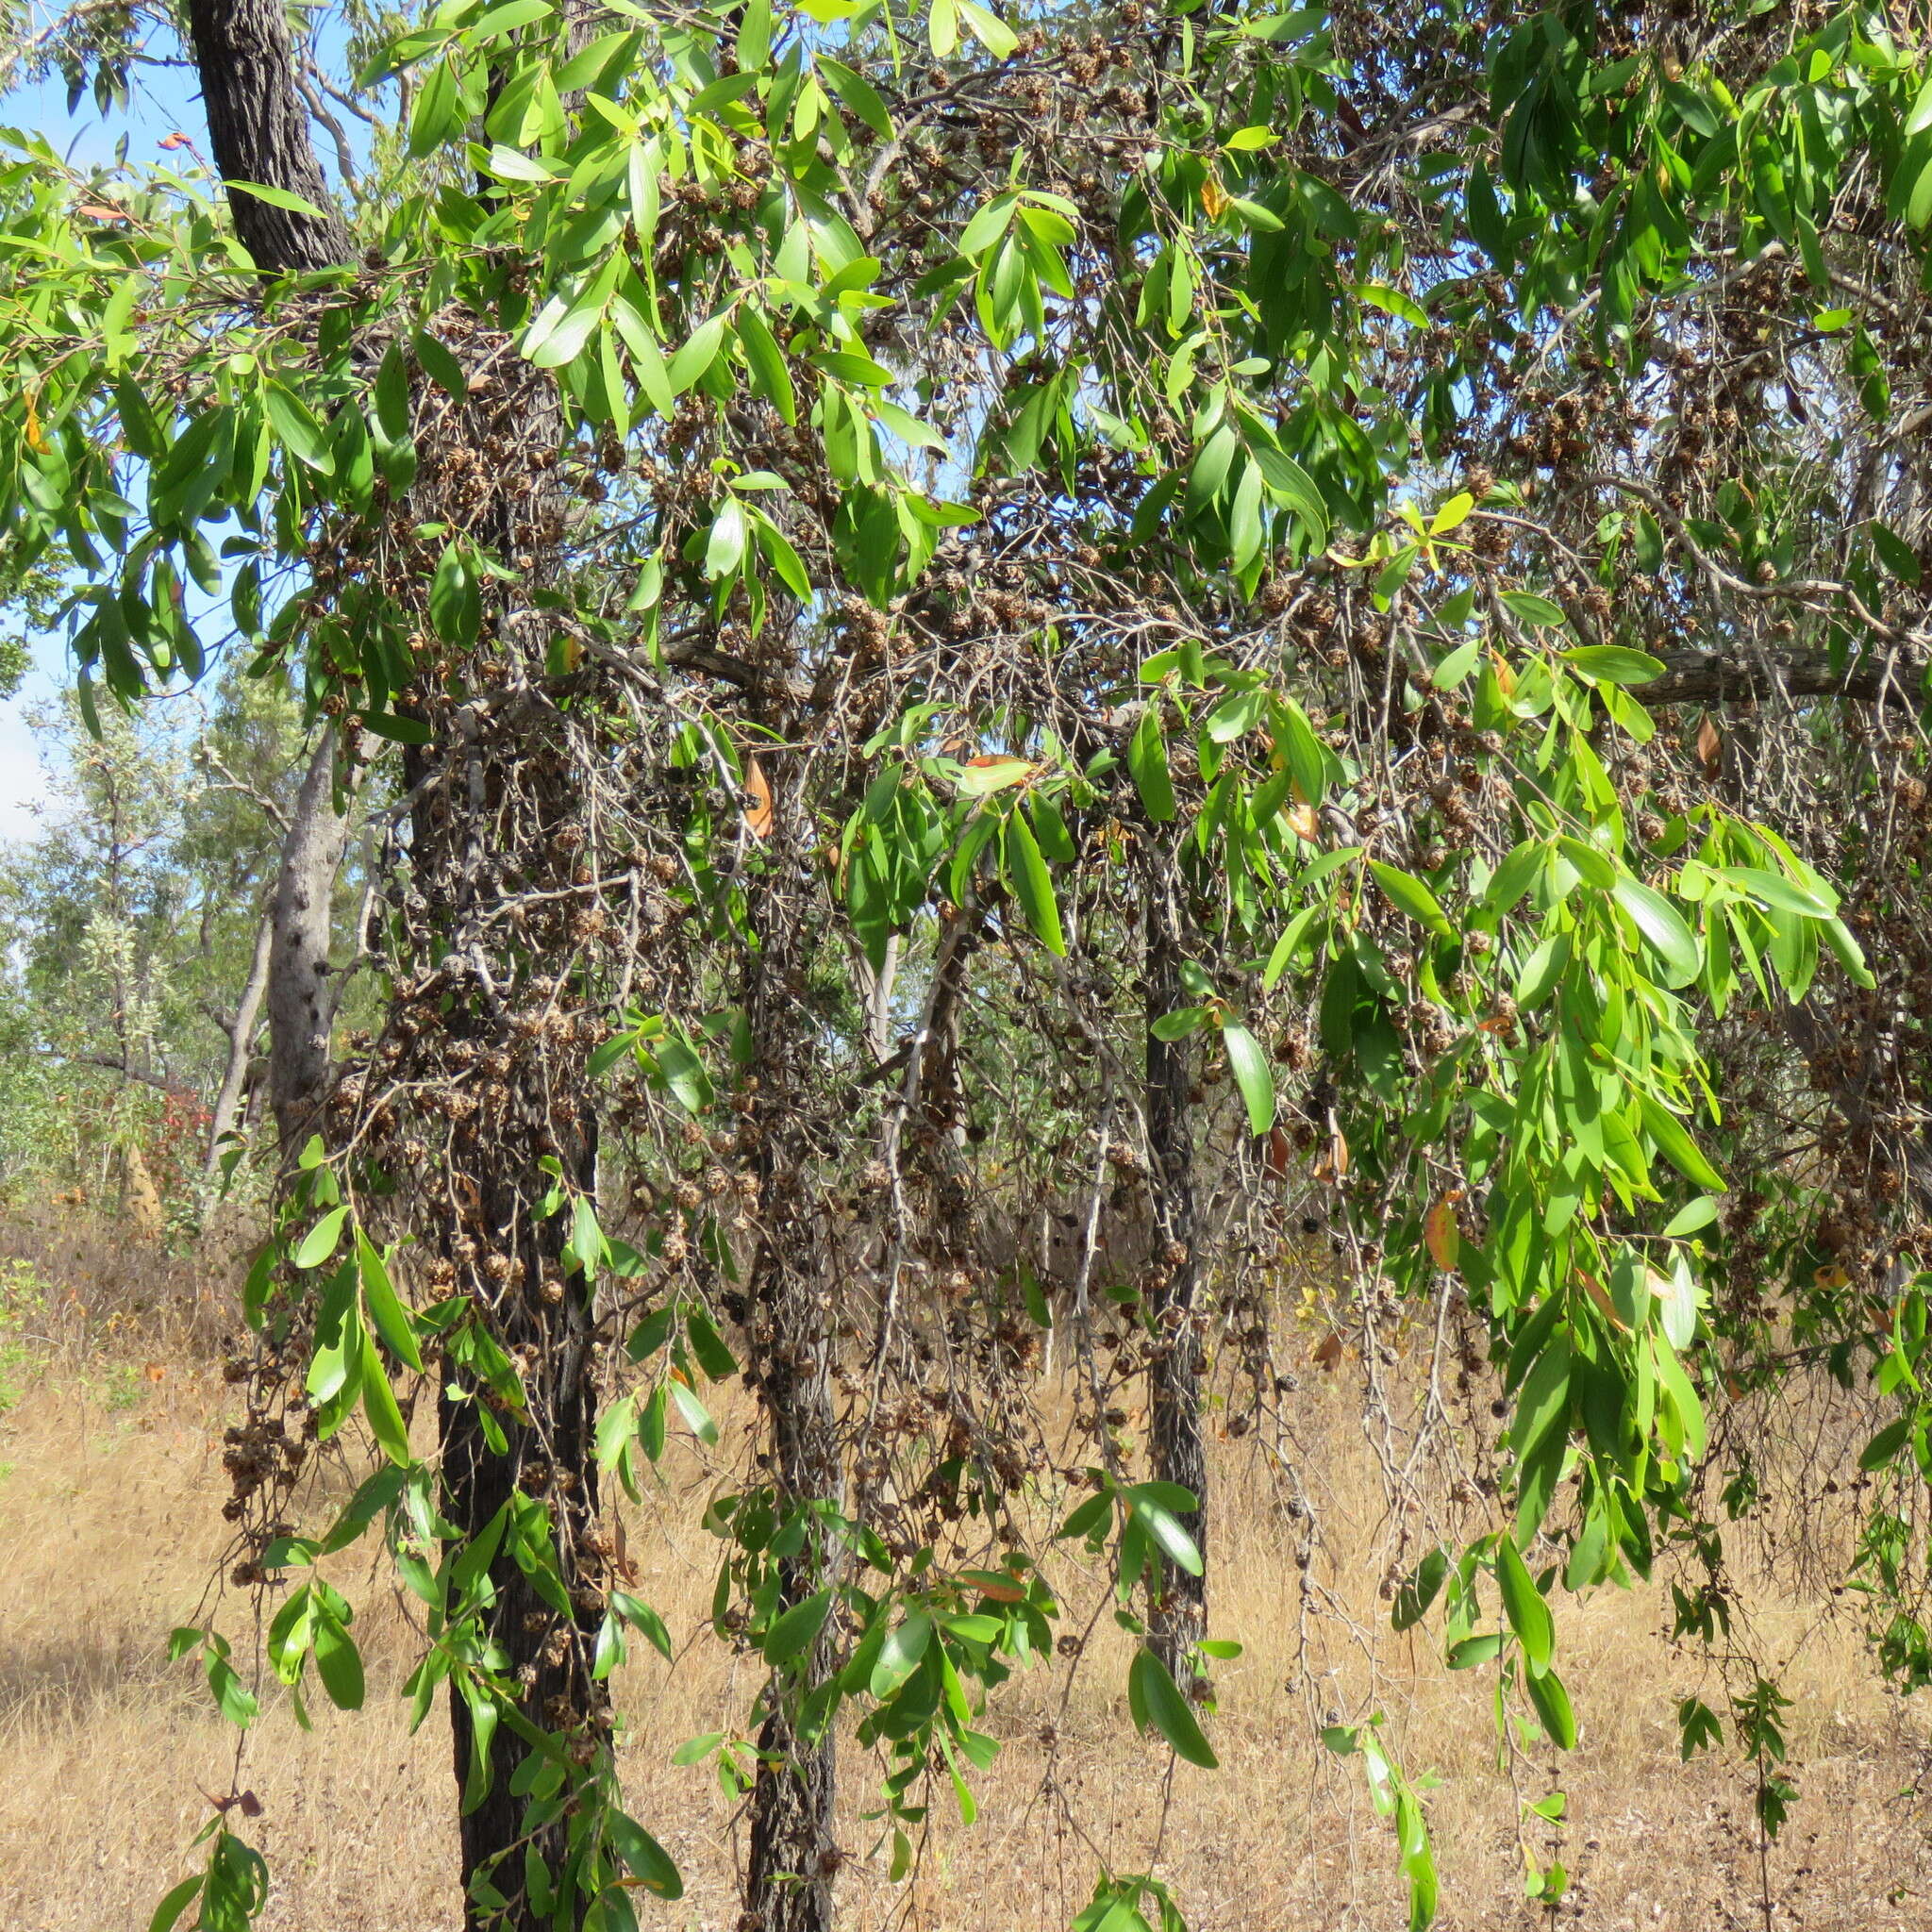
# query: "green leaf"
176, 1902
1663, 928
1252, 1074
398, 730
1552, 1702
901, 1653
650, 1864
1533, 609
1152, 1690
696, 356
641, 1616
857, 93
1165, 1526
279, 197
1523, 1603
456, 599
297, 429
1034, 884
338, 1662
697, 1417
1675, 1142
615, 1427
1420, 1590
1614, 663
1147, 764
319, 1244
1886, 1443
385, 1416
725, 547
385, 1306
1410, 895
765, 360
1179, 1024
992, 33
797, 1629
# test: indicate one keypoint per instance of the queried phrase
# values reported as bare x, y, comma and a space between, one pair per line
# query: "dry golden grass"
108, 1515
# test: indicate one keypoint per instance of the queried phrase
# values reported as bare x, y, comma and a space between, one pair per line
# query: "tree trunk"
793, 1853
301, 1000
1176, 1449
241, 1038
259, 132
551, 1457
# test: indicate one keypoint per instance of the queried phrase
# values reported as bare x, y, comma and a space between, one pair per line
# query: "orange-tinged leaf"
1301, 820
1601, 1296
1327, 1351
1710, 746
1213, 197
101, 211
990, 1583
1442, 1236
758, 814
1276, 1156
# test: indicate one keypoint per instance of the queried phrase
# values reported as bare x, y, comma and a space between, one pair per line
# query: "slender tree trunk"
1178, 1450
793, 1853
240, 1039
301, 1000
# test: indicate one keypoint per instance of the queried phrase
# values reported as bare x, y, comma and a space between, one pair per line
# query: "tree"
1202, 486
136, 917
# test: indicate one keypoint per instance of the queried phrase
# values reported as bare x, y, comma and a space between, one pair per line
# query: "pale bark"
301, 997
240, 1031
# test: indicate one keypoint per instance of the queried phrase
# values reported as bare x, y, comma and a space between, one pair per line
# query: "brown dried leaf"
1710, 746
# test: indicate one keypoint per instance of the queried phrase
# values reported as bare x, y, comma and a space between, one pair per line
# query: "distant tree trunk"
301, 999
240, 1032
1176, 1448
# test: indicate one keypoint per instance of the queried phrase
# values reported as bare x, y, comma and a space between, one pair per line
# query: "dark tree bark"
551, 1457
793, 1855
1177, 1451
259, 130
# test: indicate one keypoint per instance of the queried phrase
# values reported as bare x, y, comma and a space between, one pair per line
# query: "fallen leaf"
155, 1371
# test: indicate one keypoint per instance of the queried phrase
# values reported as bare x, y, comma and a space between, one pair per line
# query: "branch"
113, 1066
1708, 677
